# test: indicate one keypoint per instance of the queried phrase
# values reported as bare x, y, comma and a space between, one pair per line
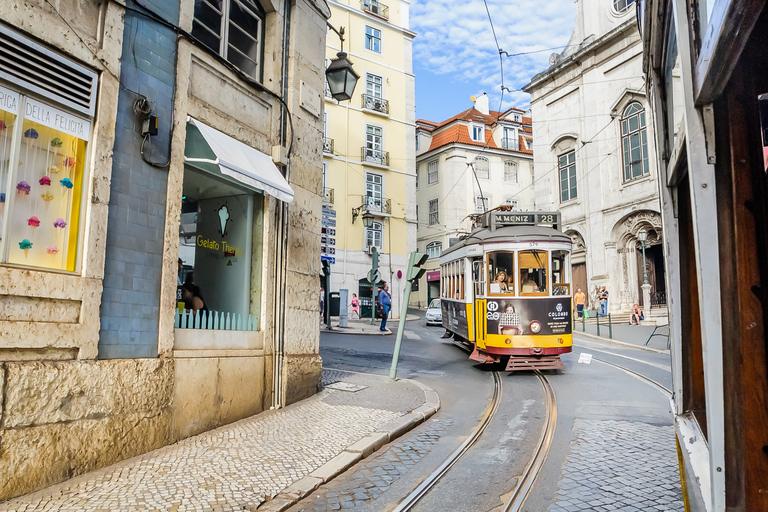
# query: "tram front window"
533, 272
501, 273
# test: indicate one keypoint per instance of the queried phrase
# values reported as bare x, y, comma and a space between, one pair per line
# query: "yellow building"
369, 150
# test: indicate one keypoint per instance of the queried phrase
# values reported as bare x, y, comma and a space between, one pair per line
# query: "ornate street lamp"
368, 219
342, 79
642, 235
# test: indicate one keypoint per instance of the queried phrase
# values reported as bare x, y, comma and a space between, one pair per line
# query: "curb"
357, 451
592, 337
348, 330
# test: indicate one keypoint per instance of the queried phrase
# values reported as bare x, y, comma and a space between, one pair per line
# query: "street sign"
327, 251
374, 277
329, 223
327, 241
328, 231
328, 258
327, 212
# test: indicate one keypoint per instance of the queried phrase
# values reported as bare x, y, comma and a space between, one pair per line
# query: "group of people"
505, 283
385, 305
580, 299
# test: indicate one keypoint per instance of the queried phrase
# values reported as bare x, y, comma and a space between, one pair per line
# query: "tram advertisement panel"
533, 316
455, 317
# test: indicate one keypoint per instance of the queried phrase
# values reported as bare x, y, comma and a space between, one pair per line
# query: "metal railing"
215, 321
328, 195
375, 7
328, 145
513, 144
658, 299
377, 205
375, 156
375, 103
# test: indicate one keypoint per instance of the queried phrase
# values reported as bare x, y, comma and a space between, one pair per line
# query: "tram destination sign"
501, 219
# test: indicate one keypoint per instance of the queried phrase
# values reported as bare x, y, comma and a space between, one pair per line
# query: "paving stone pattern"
623, 466
331, 376
235, 466
372, 477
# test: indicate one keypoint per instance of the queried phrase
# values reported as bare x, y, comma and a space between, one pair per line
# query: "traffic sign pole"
400, 330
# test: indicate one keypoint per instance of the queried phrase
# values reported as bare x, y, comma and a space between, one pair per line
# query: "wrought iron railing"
512, 144
375, 156
328, 145
377, 205
658, 299
375, 7
328, 195
215, 321
376, 104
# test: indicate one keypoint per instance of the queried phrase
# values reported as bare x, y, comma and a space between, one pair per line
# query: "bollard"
610, 327
583, 322
598, 323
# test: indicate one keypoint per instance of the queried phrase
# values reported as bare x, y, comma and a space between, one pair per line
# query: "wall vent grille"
34, 67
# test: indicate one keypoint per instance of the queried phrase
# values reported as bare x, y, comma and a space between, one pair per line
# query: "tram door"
478, 278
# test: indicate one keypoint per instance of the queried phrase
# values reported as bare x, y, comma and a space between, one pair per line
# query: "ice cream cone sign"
25, 245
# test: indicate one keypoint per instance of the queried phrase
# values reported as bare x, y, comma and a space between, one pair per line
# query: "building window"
478, 133
634, 142
432, 172
418, 171
233, 29
417, 142
567, 166
42, 189
374, 192
514, 203
481, 204
374, 136
482, 168
509, 141
510, 171
372, 39
373, 235
434, 218
622, 5
373, 86
434, 249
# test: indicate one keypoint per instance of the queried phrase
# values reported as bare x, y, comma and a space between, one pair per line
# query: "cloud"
454, 39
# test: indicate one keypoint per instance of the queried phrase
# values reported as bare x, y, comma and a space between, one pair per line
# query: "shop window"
533, 272
233, 29
43, 171
501, 272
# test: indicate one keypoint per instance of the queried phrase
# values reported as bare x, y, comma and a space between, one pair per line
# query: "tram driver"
529, 285
509, 322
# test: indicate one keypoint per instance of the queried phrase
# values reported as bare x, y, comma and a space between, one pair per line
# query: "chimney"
481, 104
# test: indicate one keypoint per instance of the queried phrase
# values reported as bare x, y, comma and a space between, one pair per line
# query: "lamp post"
342, 79
642, 235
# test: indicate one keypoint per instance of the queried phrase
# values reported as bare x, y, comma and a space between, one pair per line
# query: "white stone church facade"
594, 155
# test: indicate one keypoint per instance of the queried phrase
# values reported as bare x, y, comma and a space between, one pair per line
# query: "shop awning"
238, 161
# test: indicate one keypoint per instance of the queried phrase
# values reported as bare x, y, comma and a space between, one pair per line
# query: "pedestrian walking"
355, 307
603, 301
385, 302
579, 299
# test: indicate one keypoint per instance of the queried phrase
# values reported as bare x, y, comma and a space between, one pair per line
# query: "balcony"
328, 195
375, 156
327, 145
376, 8
376, 104
377, 205
513, 144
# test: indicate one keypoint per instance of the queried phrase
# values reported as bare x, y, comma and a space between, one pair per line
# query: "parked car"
434, 313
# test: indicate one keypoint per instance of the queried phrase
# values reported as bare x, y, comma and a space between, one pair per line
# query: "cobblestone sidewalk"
620, 465
239, 466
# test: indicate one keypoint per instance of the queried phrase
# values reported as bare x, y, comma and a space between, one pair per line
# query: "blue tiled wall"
131, 300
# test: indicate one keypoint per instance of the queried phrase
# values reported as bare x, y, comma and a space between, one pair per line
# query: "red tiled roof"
460, 134
424, 121
527, 120
522, 145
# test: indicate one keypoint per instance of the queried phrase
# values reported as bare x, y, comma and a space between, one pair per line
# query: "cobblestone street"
237, 466
624, 466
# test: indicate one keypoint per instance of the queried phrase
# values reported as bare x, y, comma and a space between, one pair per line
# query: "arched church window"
634, 142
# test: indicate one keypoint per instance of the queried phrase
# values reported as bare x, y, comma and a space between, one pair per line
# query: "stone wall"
61, 419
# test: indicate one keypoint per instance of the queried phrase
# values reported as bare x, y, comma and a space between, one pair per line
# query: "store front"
433, 285
221, 239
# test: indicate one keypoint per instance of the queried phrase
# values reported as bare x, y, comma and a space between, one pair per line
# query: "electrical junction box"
149, 126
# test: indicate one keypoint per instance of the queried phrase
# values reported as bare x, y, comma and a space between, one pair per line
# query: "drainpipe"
281, 223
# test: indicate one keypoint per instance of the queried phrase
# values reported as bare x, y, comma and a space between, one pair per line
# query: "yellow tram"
505, 290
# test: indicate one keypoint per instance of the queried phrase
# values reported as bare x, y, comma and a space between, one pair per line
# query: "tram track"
524, 484
638, 376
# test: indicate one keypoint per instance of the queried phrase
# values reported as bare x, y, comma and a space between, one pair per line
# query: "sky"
455, 56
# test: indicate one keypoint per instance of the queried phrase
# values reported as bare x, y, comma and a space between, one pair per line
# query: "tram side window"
560, 283
533, 272
501, 272
478, 277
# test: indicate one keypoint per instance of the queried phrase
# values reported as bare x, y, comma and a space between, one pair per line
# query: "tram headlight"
534, 327
508, 341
